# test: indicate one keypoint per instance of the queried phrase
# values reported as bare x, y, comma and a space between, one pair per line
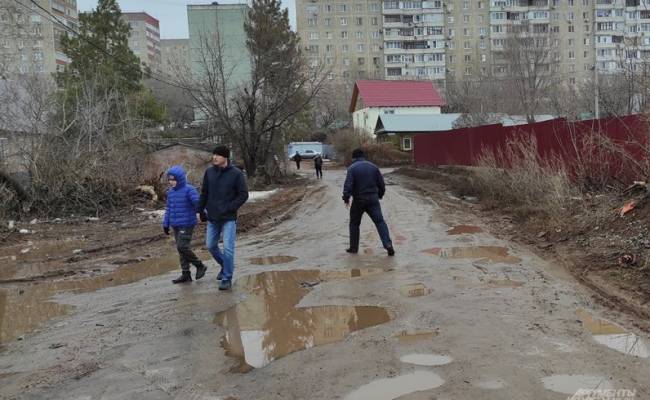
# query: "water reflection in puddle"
414, 290
415, 335
429, 360
570, 384
267, 325
614, 336
25, 307
392, 388
491, 253
464, 229
272, 260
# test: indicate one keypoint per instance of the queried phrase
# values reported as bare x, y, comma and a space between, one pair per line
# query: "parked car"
307, 154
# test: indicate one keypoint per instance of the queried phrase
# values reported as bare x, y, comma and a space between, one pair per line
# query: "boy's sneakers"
185, 277
200, 271
220, 275
352, 251
390, 250
225, 285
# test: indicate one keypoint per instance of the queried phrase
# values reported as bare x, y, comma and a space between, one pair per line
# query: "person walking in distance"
365, 184
297, 158
182, 199
223, 192
318, 164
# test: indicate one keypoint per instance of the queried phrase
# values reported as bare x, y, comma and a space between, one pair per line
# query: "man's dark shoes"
200, 271
186, 277
225, 285
352, 251
391, 251
220, 275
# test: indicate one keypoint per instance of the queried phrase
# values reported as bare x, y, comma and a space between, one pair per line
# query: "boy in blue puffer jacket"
182, 200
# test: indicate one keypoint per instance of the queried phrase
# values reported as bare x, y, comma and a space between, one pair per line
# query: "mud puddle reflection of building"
23, 308
267, 325
614, 336
493, 254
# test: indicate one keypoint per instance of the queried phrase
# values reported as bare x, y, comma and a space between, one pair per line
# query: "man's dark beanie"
357, 153
222, 151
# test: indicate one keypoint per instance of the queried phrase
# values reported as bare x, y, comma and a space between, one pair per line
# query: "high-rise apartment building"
144, 40
30, 36
175, 56
344, 37
221, 26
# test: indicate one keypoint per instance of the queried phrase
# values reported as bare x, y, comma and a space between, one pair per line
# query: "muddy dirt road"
456, 314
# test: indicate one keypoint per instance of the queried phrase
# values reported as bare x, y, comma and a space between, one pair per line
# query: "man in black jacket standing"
365, 184
222, 193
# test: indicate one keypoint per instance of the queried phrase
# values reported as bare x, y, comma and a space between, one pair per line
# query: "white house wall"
365, 119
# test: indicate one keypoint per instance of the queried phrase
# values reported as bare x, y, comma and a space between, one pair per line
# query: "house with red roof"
372, 98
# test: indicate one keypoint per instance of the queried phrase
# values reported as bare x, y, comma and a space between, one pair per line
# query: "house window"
407, 144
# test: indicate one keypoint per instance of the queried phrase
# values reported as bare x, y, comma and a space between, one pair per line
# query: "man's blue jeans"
225, 258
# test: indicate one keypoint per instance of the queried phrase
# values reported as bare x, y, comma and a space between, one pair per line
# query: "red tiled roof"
396, 94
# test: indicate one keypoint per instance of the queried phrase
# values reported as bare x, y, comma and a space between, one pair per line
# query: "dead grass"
517, 177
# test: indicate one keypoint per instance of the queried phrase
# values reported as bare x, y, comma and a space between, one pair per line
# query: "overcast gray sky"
172, 14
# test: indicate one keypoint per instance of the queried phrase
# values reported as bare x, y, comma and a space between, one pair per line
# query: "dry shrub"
9, 203
382, 154
518, 177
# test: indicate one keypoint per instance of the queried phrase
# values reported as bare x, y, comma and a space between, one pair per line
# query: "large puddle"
493, 254
268, 325
24, 308
570, 384
614, 336
392, 388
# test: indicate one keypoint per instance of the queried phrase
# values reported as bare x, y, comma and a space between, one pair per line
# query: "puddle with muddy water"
268, 325
414, 290
393, 388
464, 229
272, 260
493, 254
408, 336
570, 384
614, 336
24, 308
427, 360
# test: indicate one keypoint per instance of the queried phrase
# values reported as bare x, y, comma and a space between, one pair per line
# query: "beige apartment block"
30, 36
467, 34
414, 39
343, 36
175, 56
145, 39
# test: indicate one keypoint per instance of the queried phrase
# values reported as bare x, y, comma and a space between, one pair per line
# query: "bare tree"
527, 54
253, 112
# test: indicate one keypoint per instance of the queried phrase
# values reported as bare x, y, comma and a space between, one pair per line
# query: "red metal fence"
557, 138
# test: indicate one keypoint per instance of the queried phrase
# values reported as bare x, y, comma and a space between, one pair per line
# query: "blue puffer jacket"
363, 179
182, 201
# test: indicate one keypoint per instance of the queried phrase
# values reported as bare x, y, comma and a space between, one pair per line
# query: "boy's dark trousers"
319, 172
367, 204
183, 237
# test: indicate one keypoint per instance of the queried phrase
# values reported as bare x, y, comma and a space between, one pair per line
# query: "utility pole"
596, 94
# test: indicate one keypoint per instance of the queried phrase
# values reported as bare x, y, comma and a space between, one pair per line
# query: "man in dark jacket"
297, 158
318, 164
222, 193
365, 184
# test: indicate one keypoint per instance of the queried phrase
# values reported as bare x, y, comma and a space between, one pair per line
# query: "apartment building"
622, 34
414, 39
175, 56
144, 40
30, 37
225, 22
343, 36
